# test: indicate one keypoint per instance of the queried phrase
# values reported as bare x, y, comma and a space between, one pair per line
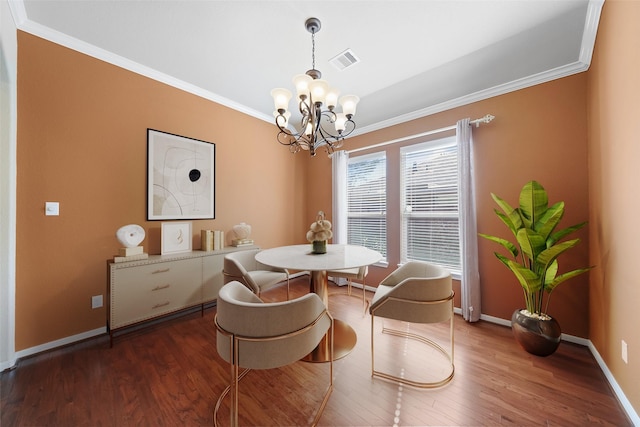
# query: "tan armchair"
252, 334
243, 267
417, 292
350, 274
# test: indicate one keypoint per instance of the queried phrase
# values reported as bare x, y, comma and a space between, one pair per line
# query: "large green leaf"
513, 249
533, 203
559, 235
511, 213
548, 222
531, 243
507, 221
549, 287
546, 257
528, 279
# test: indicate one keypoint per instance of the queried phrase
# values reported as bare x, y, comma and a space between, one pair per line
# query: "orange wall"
614, 150
539, 133
82, 142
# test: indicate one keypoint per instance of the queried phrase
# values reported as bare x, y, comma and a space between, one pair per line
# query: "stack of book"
212, 240
242, 242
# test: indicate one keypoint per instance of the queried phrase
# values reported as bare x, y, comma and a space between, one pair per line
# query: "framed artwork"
180, 177
175, 237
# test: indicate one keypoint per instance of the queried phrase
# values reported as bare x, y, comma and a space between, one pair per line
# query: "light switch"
52, 208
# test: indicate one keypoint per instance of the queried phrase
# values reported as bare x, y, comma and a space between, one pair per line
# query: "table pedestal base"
344, 340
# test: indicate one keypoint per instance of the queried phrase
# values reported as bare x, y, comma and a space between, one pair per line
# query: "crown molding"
111, 58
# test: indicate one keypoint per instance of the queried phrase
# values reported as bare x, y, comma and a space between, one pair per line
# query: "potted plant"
535, 263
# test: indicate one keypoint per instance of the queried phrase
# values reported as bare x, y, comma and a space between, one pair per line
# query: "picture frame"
175, 237
180, 177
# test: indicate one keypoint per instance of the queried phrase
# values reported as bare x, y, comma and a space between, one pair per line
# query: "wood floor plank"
170, 374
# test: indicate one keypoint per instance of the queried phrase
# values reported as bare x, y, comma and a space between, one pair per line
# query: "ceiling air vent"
344, 60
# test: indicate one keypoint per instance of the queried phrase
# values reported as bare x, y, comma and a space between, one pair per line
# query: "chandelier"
320, 125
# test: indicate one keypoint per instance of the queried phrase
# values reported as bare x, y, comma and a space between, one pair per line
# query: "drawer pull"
162, 304
159, 287
164, 270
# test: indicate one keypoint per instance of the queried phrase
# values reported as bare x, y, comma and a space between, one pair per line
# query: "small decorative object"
206, 240
319, 233
538, 246
130, 236
242, 233
175, 238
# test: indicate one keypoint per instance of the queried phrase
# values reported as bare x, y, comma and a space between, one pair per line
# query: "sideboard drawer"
148, 291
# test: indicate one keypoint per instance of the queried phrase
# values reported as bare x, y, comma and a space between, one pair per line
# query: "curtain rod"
486, 119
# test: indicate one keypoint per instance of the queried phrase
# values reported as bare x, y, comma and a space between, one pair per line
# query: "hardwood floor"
170, 374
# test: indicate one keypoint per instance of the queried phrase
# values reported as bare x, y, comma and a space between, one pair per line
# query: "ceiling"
416, 57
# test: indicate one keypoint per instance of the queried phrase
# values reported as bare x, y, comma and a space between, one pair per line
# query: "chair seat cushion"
266, 279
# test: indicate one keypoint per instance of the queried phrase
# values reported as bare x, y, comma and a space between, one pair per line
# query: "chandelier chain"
313, 50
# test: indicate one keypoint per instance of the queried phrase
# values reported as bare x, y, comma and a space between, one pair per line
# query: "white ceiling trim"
111, 58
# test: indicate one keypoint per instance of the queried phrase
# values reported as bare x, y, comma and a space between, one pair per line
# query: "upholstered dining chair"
416, 292
252, 334
350, 274
243, 267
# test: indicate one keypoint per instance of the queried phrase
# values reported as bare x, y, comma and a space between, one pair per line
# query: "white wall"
8, 124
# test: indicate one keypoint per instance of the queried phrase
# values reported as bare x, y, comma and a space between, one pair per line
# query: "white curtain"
470, 286
339, 161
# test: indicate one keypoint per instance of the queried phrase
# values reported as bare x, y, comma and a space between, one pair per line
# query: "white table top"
299, 257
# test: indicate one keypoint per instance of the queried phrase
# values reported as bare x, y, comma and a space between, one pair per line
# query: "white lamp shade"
301, 82
309, 130
348, 103
318, 89
281, 98
332, 97
341, 122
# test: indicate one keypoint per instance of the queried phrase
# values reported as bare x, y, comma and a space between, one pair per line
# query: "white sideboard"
146, 289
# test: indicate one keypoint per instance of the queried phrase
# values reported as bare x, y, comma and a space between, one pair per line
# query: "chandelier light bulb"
281, 99
348, 103
301, 82
332, 98
341, 122
318, 89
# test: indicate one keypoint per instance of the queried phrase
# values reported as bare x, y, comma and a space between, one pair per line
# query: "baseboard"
628, 408
59, 343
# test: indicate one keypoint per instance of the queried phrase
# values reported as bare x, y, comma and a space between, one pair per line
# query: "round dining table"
337, 257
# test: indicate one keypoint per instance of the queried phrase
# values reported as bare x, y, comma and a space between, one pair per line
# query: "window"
367, 202
429, 203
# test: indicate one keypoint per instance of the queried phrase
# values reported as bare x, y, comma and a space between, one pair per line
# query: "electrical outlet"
625, 354
96, 301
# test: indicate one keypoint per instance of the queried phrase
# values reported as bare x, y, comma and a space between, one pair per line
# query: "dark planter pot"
537, 336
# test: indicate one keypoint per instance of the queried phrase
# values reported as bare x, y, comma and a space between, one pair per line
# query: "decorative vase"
538, 336
242, 231
319, 247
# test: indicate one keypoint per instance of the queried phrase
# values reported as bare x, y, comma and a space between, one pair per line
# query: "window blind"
429, 198
367, 202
